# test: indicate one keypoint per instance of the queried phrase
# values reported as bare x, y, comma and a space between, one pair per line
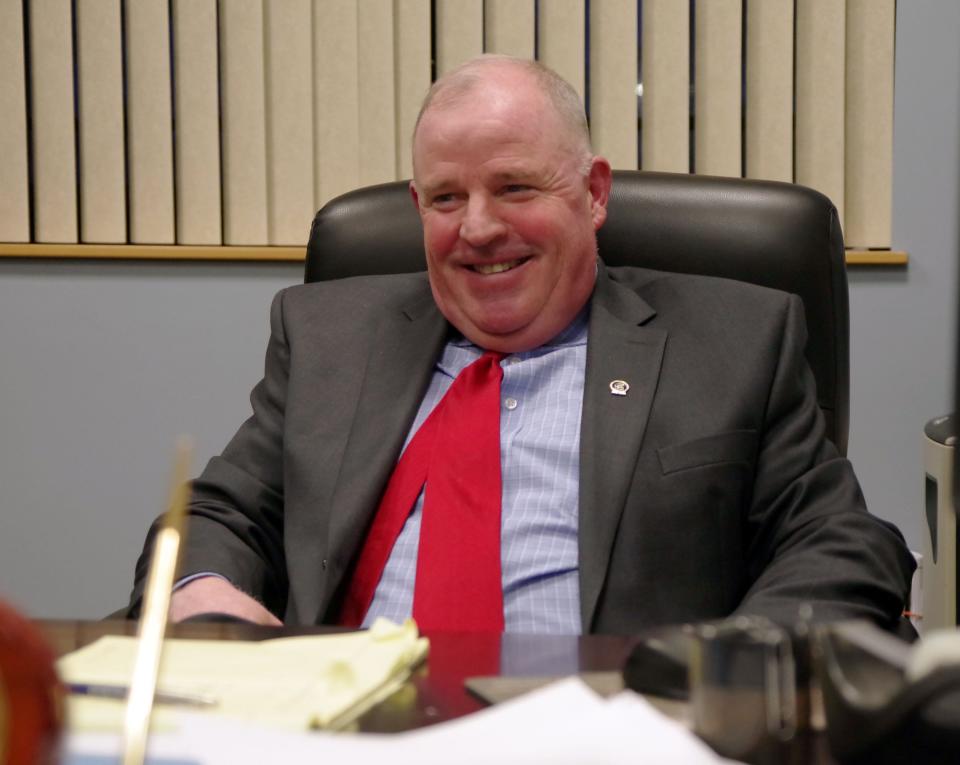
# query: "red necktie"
457, 453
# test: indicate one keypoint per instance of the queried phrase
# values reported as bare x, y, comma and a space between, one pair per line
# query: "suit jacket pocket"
731, 447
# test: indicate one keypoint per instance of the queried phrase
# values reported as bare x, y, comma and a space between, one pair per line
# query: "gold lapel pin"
619, 387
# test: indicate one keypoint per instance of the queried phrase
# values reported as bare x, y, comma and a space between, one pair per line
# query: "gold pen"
153, 618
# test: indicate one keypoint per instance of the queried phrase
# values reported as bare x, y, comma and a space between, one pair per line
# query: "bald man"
709, 489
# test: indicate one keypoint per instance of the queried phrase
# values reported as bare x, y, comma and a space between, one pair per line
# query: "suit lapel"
612, 426
398, 371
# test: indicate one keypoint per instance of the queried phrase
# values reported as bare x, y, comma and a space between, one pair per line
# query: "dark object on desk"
659, 664
940, 590
743, 688
31, 697
874, 714
215, 617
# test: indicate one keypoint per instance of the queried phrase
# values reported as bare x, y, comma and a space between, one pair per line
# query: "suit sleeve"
809, 537
235, 515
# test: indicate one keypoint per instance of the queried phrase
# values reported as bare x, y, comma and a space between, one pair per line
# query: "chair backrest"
775, 234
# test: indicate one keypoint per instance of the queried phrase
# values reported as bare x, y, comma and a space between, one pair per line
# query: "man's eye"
443, 200
515, 188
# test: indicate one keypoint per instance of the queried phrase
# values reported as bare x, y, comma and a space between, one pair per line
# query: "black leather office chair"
775, 234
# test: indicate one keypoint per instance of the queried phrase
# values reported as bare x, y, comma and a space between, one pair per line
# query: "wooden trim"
280, 254
877, 258
153, 252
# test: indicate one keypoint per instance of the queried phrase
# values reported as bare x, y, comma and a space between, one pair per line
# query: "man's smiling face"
509, 215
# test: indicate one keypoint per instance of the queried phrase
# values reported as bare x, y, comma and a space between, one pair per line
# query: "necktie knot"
490, 359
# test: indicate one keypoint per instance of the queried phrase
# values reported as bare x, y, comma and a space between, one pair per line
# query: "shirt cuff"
200, 575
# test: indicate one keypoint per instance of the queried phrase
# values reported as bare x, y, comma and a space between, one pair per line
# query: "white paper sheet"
562, 724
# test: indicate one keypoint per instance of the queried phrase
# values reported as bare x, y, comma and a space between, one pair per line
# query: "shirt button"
510, 403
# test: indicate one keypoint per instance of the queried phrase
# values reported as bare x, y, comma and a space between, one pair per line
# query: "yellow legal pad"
297, 683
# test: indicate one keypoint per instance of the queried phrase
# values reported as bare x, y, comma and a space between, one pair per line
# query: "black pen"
121, 691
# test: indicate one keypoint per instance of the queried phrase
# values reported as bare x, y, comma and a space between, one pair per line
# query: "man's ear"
414, 196
599, 181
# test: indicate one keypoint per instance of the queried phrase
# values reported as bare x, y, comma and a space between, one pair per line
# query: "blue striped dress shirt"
541, 402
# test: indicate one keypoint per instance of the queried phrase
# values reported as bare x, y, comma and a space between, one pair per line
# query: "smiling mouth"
497, 268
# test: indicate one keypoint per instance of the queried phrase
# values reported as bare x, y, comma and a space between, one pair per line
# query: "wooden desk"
436, 691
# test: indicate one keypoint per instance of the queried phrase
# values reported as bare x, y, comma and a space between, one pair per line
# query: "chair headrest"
777, 235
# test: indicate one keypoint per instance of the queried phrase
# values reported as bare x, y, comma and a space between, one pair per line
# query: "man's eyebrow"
430, 190
513, 174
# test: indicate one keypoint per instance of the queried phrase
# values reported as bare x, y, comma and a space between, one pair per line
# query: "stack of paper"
562, 724
296, 683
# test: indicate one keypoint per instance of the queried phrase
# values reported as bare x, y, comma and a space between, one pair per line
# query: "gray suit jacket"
709, 488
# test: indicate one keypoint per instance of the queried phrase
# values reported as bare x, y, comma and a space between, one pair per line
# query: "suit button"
323, 564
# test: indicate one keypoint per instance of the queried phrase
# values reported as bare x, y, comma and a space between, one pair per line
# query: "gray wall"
103, 364
903, 321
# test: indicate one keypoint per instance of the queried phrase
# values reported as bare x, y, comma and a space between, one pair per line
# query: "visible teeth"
495, 268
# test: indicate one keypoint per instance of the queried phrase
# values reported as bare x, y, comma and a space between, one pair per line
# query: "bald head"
510, 197
458, 86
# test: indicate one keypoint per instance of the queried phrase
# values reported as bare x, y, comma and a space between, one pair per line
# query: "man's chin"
508, 338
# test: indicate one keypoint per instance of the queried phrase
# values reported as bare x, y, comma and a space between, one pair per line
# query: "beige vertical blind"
234, 120
718, 95
14, 191
459, 34
149, 122
665, 70
613, 80
868, 182
769, 76
53, 162
336, 99
561, 31
289, 119
509, 27
820, 95
412, 56
243, 120
103, 204
377, 120
197, 137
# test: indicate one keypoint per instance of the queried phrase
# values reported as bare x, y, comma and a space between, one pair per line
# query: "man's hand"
213, 594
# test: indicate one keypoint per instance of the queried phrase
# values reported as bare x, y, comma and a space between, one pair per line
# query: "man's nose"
480, 225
